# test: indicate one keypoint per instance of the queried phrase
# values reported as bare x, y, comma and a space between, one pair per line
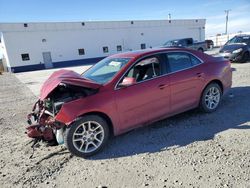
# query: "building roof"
37, 26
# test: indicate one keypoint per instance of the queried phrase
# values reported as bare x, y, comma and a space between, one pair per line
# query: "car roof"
242, 35
139, 53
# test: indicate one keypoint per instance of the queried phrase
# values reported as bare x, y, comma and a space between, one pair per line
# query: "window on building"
83, 24
81, 51
119, 48
25, 57
143, 46
25, 25
105, 49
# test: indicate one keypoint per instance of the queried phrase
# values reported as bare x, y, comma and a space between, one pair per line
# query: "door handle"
200, 74
162, 86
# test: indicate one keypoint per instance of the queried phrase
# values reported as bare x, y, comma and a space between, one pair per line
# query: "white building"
33, 46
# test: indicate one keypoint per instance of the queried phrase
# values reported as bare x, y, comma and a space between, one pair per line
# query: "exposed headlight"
237, 51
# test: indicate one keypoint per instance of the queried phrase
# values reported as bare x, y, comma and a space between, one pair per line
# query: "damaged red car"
125, 91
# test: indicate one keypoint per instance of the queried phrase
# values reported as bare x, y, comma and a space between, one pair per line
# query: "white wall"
64, 39
1, 46
3, 49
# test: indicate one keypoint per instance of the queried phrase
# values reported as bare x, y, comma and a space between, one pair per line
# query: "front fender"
72, 110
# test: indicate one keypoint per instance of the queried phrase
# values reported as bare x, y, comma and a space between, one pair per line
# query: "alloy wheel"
88, 136
212, 98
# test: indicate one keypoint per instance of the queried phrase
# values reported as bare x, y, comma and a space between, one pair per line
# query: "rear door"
147, 99
187, 80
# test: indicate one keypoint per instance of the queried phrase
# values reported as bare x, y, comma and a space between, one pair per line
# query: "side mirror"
127, 81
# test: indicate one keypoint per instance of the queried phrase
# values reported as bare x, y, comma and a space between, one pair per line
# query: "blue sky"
80, 10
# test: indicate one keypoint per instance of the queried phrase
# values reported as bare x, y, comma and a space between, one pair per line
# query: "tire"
200, 50
211, 98
86, 136
245, 57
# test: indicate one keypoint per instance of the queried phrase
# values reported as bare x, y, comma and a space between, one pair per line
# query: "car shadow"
183, 129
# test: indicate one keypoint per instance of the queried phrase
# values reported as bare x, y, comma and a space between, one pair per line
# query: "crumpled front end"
42, 123
62, 87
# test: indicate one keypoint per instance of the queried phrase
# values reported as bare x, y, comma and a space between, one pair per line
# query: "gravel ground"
189, 150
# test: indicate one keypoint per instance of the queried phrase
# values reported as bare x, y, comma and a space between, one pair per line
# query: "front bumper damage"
48, 121
42, 125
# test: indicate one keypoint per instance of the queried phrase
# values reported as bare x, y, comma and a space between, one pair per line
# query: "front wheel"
245, 57
86, 136
200, 50
211, 98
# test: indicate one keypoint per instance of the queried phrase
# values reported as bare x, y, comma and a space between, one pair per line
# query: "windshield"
243, 39
172, 43
105, 70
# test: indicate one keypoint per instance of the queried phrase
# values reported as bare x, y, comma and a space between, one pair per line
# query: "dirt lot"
189, 150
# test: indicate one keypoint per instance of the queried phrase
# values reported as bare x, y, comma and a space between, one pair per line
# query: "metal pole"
169, 16
227, 12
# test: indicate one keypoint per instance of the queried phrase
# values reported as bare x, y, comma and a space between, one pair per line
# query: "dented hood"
65, 77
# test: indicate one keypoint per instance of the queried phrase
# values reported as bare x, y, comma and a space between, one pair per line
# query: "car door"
147, 99
187, 80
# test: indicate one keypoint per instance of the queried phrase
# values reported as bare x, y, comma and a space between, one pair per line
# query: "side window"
189, 42
183, 42
145, 69
194, 60
178, 61
248, 42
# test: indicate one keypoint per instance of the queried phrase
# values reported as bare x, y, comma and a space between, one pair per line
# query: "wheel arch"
104, 116
217, 82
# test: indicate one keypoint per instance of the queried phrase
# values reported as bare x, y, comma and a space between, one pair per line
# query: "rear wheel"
211, 98
87, 136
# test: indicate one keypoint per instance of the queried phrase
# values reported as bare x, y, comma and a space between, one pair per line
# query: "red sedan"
125, 91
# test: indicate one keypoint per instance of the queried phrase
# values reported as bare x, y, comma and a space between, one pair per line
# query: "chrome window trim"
159, 53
